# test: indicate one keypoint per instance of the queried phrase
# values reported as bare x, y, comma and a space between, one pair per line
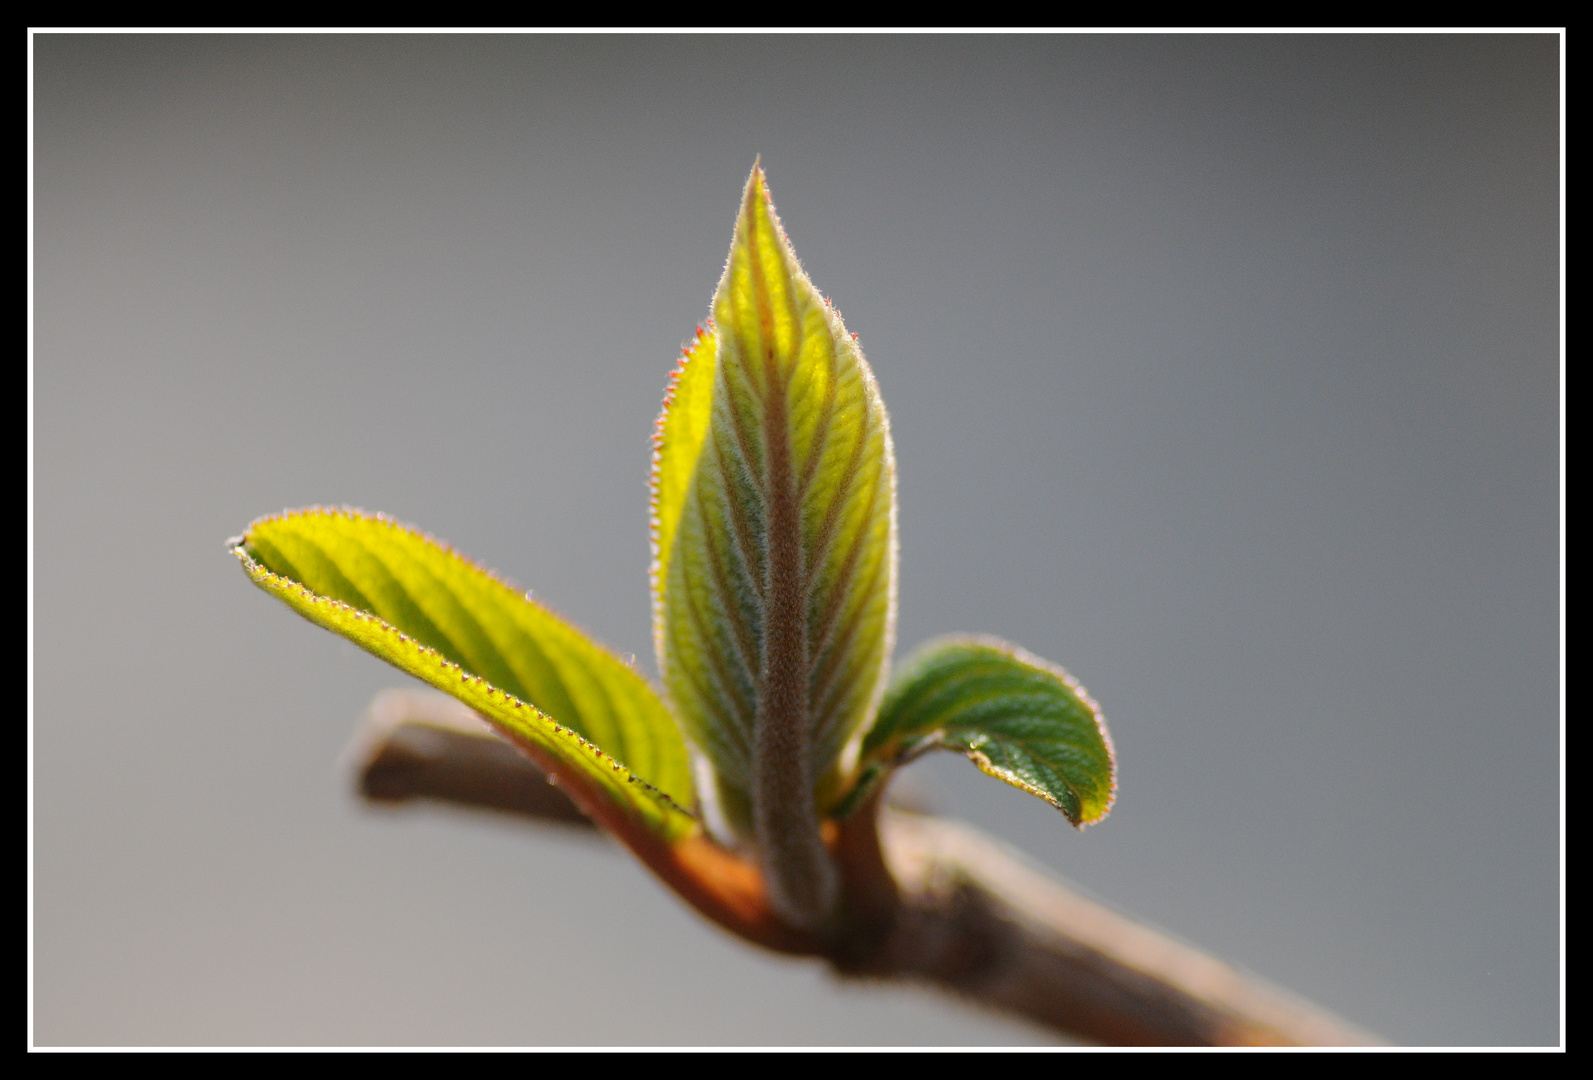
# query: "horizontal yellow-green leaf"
779, 567
1018, 717
442, 618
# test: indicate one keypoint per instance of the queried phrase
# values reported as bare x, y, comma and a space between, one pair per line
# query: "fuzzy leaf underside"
1019, 718
422, 607
779, 583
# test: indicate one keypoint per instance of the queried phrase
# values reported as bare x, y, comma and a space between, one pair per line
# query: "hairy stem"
802, 880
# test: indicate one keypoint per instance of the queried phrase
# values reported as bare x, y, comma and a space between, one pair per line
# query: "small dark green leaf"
1016, 716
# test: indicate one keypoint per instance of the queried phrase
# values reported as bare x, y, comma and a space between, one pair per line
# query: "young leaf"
427, 611
778, 571
1019, 718
453, 624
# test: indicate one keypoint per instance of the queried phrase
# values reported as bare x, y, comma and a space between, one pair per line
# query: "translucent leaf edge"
587, 769
604, 665
668, 441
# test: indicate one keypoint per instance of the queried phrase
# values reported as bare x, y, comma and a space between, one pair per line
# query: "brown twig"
924, 899
976, 917
417, 744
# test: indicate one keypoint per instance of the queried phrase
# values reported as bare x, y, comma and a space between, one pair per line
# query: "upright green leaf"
337, 567
778, 570
1019, 718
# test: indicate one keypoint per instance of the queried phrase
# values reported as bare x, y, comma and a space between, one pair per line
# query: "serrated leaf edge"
655, 568
501, 580
276, 583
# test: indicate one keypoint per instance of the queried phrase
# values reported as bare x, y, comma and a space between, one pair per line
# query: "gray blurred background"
1222, 370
